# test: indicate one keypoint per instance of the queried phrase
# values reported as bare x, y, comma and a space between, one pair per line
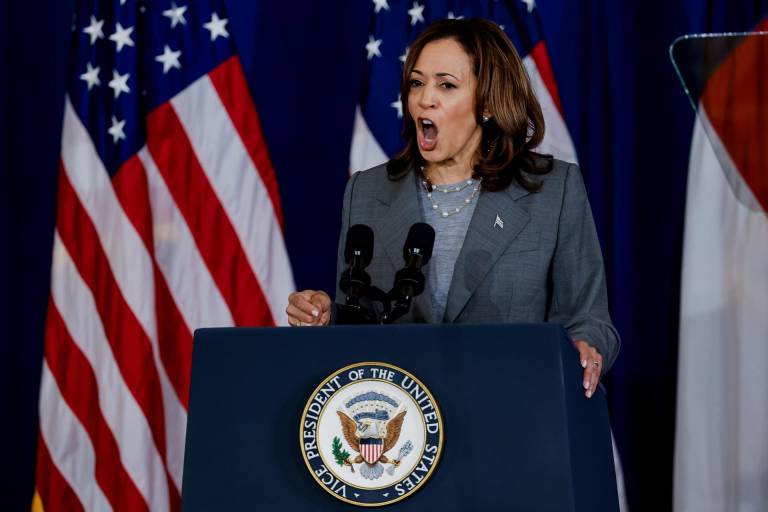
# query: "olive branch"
339, 454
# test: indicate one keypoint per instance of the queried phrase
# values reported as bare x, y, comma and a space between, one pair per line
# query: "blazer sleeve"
580, 298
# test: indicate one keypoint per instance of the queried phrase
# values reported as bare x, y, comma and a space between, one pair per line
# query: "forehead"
444, 56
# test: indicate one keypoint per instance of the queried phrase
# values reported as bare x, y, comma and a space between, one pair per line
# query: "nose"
427, 97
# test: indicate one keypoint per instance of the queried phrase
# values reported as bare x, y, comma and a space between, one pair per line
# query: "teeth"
426, 122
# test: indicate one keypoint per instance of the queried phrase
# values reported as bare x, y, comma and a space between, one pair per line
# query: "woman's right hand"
308, 307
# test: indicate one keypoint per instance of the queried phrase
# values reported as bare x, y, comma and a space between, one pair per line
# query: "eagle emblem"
371, 424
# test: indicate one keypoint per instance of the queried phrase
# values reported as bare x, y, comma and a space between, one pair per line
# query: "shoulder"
371, 177
551, 185
562, 180
374, 183
561, 172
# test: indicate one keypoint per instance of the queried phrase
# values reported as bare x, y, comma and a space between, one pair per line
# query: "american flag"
396, 23
168, 219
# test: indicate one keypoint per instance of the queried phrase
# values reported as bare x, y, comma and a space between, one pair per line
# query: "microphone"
358, 252
355, 281
409, 281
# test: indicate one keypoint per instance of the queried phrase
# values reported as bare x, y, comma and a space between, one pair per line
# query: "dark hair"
517, 124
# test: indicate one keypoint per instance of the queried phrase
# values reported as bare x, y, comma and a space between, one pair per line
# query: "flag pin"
499, 222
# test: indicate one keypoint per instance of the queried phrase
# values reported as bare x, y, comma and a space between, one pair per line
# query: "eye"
447, 85
415, 82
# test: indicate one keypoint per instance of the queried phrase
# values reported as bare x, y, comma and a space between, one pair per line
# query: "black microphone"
358, 252
355, 281
409, 281
418, 246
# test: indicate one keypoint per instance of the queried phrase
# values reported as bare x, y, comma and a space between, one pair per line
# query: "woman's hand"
308, 307
592, 362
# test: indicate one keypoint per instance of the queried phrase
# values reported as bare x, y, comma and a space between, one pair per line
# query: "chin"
432, 157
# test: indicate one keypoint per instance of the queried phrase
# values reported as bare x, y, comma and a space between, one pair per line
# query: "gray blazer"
543, 265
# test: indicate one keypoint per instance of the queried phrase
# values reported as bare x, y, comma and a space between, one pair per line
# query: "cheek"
412, 103
463, 119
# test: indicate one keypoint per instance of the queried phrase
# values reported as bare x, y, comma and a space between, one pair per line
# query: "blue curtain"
625, 108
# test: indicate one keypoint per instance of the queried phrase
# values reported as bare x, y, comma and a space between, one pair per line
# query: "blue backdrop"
626, 110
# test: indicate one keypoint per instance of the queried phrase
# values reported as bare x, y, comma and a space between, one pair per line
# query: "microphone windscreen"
359, 240
421, 239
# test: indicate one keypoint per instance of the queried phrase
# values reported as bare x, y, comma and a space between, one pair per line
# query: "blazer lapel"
392, 230
496, 221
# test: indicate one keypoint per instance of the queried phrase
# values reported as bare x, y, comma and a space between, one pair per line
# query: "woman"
515, 239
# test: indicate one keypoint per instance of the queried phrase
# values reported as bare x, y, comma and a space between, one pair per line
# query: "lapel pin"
499, 223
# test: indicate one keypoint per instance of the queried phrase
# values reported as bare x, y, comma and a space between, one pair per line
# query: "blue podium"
519, 434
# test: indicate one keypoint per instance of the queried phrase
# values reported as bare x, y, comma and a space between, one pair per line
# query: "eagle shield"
371, 423
371, 449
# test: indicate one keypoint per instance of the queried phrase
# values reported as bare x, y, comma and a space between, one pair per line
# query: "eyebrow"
438, 74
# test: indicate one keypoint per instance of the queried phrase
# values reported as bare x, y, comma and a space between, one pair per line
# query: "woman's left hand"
592, 362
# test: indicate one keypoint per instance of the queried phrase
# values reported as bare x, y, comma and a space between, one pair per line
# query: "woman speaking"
515, 240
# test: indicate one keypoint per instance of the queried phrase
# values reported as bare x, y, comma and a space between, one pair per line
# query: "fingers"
308, 307
322, 302
592, 362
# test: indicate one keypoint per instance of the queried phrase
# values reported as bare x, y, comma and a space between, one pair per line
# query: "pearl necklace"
447, 190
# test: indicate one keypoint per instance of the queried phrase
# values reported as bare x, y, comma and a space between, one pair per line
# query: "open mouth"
427, 134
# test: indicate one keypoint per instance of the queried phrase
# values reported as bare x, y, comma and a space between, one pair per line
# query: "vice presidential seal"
371, 434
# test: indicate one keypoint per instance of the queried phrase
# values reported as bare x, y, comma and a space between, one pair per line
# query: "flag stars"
530, 4
117, 130
169, 59
404, 55
398, 105
119, 83
95, 29
379, 5
91, 76
416, 13
122, 37
373, 47
176, 14
217, 27
452, 16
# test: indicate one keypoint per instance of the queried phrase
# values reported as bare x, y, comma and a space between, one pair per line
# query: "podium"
519, 434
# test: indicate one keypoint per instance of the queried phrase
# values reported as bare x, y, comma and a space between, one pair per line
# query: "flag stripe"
50, 485
190, 283
76, 305
734, 100
78, 387
230, 84
540, 56
238, 186
174, 339
365, 151
557, 139
68, 445
130, 345
216, 239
